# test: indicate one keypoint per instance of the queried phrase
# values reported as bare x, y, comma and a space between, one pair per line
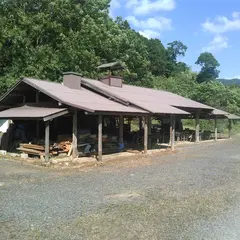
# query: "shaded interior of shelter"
61, 128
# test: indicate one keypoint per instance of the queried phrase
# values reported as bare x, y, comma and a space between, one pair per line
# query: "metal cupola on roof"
111, 80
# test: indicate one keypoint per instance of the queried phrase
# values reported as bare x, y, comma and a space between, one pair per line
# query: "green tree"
183, 83
122, 23
176, 49
212, 93
209, 66
44, 38
157, 57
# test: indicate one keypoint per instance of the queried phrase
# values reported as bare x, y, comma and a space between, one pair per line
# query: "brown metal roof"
149, 99
94, 102
233, 117
32, 112
90, 101
218, 112
80, 98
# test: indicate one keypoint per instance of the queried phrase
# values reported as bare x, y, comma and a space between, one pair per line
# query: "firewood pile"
39, 150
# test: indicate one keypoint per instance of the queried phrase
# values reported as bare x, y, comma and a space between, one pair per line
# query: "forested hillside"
234, 81
43, 38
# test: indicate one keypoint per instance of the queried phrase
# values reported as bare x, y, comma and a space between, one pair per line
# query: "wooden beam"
16, 95
120, 129
116, 113
37, 96
47, 132
229, 128
74, 136
173, 132
55, 115
170, 133
215, 129
99, 137
145, 135
149, 132
197, 128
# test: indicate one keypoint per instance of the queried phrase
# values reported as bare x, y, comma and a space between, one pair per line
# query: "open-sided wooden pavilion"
77, 96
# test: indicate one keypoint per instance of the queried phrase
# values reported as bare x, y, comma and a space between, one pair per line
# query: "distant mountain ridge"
234, 81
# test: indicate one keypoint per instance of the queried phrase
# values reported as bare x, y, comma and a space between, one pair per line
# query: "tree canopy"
209, 66
43, 38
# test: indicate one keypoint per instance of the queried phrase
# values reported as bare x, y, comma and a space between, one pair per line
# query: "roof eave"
27, 81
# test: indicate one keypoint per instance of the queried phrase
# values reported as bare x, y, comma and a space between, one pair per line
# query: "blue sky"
203, 25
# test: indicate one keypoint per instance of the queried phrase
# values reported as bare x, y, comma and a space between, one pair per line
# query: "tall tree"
157, 56
175, 50
209, 66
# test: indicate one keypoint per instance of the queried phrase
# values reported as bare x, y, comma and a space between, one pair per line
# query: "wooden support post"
170, 133
229, 128
140, 123
37, 123
47, 131
173, 132
99, 137
149, 132
197, 128
145, 135
215, 129
121, 129
74, 136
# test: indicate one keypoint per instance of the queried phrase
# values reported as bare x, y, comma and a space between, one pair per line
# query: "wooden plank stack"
39, 150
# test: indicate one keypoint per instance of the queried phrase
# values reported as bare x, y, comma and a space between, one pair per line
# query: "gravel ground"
193, 194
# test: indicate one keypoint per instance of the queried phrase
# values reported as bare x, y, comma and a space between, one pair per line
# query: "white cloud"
222, 24
150, 27
218, 43
236, 14
219, 26
148, 33
145, 7
158, 23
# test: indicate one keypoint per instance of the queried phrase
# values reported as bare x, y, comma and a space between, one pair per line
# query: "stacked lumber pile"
39, 150
63, 147
31, 149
